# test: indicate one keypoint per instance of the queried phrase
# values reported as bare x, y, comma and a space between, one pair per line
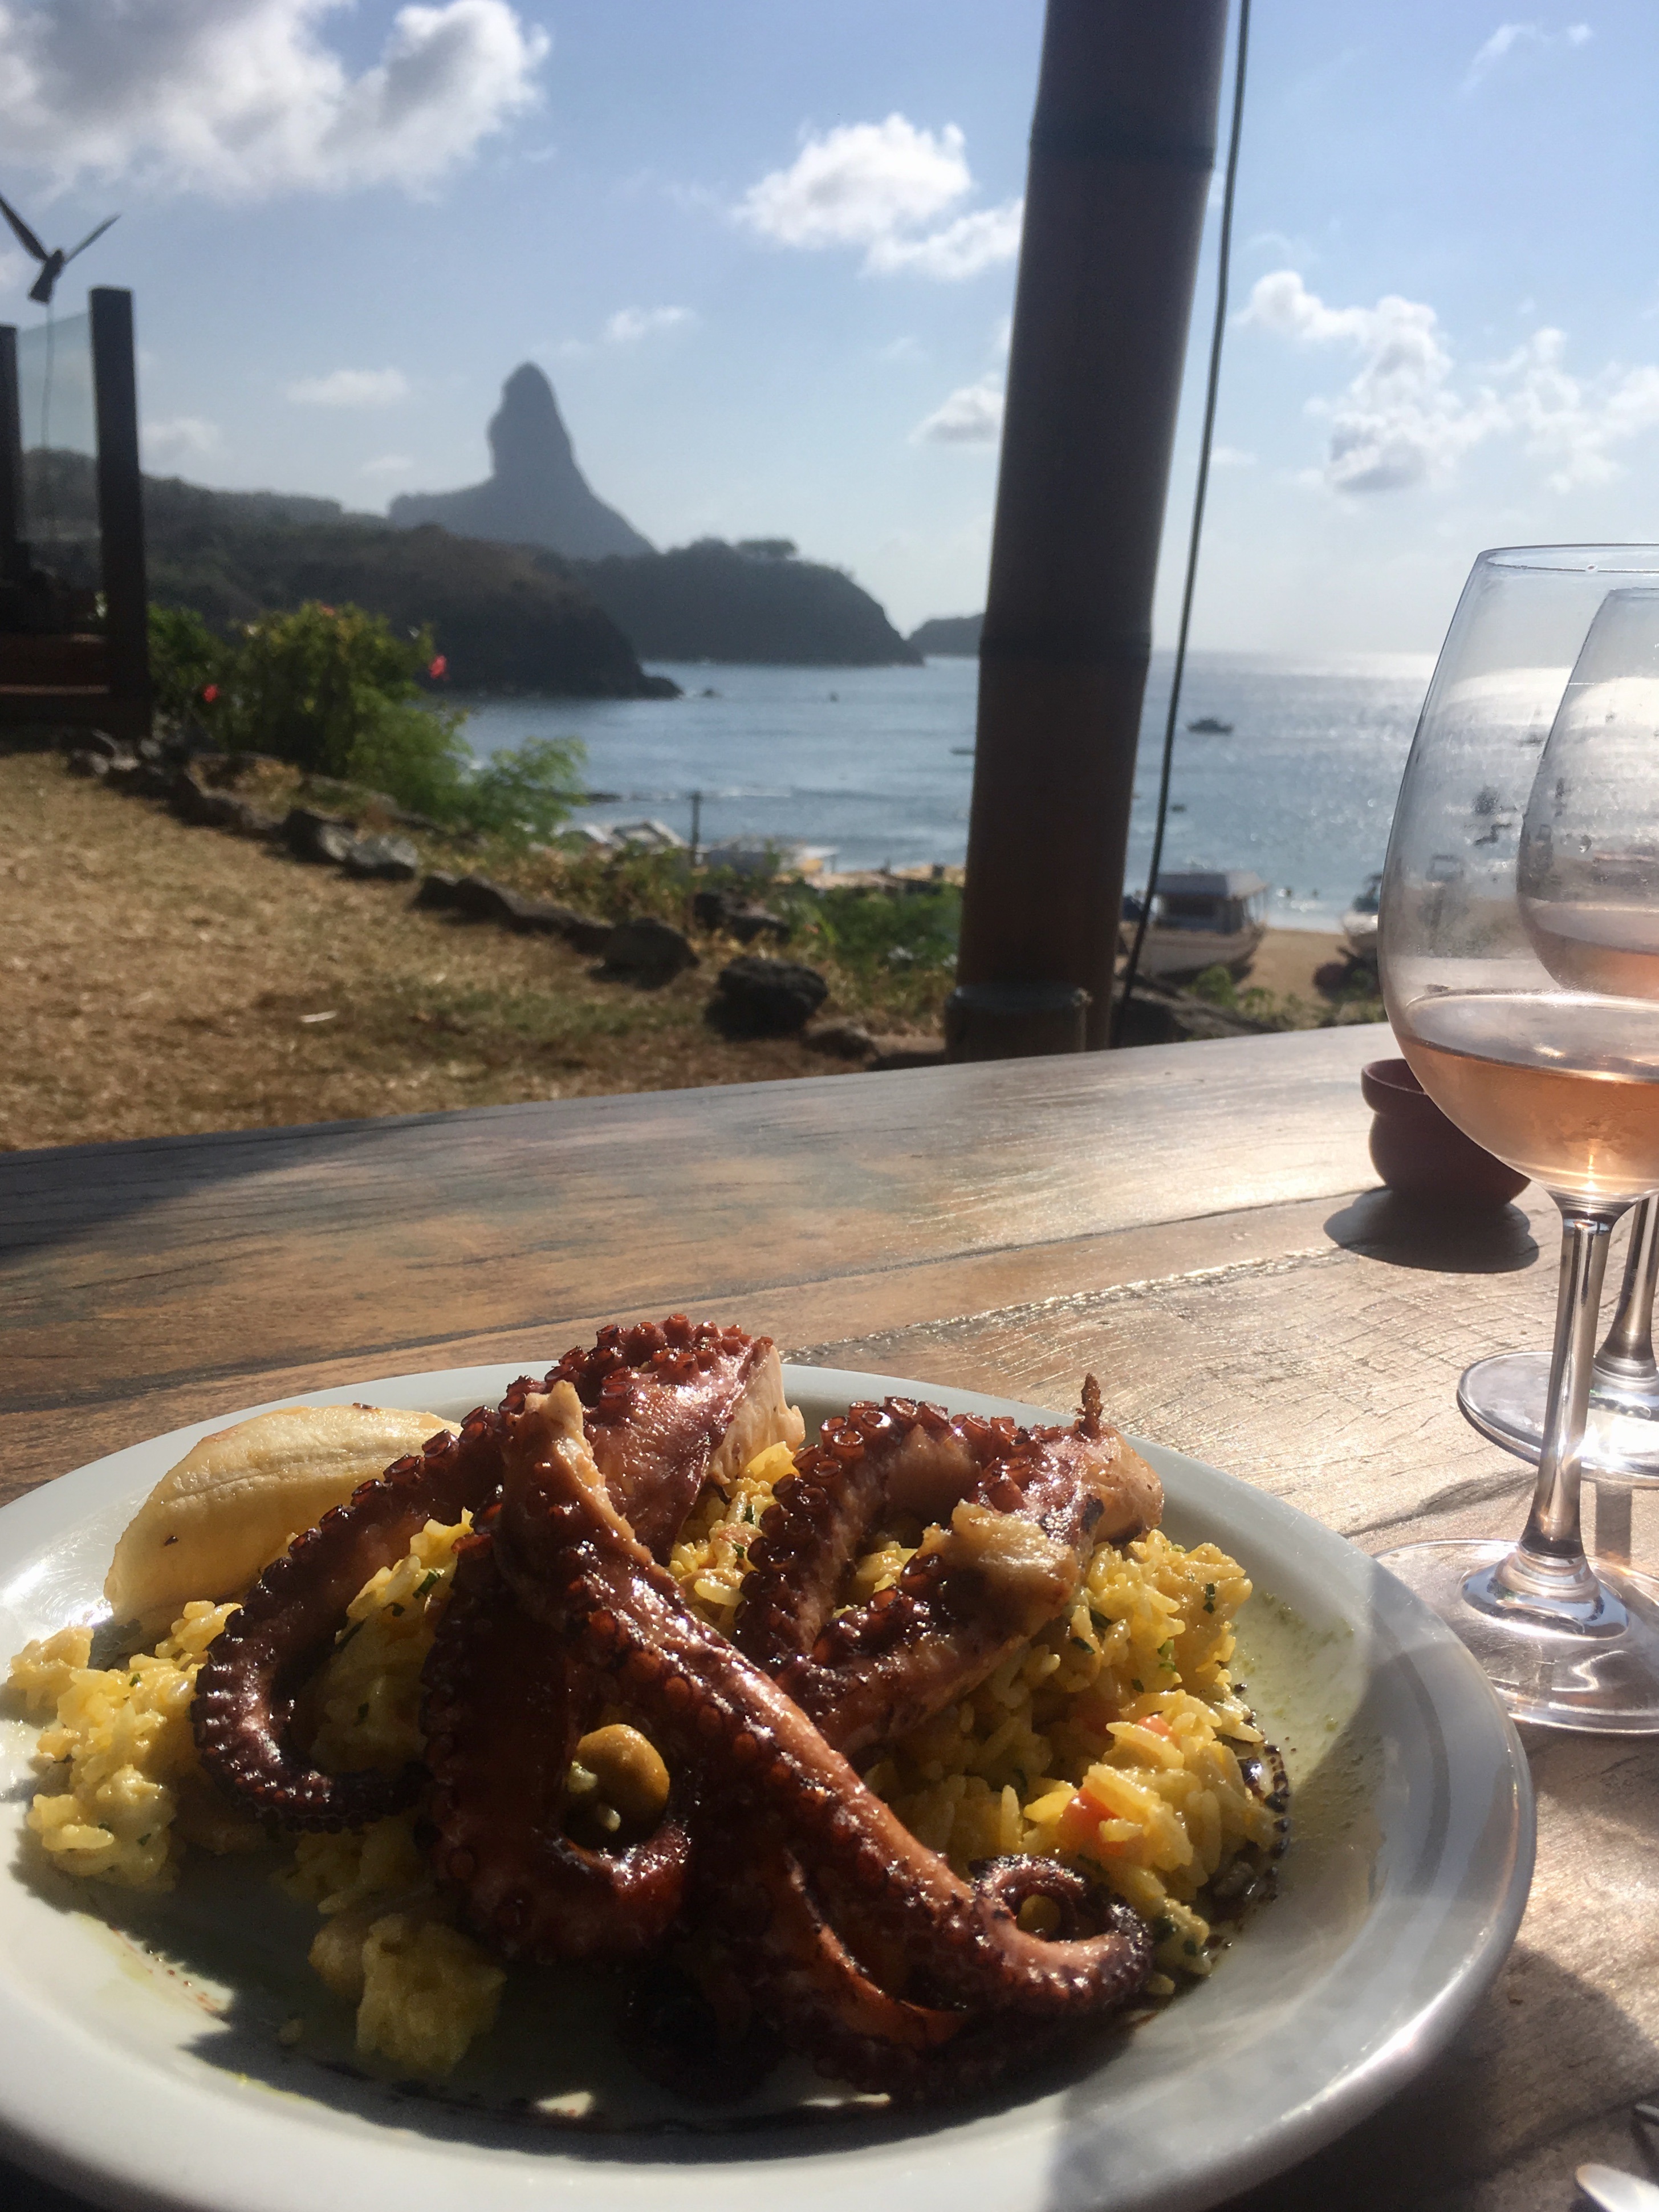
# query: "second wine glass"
1520, 904
1505, 1397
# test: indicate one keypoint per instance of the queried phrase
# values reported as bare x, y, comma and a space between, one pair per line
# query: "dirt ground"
156, 979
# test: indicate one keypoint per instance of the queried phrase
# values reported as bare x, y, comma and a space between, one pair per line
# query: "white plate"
136, 2078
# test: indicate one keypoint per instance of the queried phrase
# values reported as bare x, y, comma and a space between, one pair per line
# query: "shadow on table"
1492, 2107
51, 1196
1403, 1232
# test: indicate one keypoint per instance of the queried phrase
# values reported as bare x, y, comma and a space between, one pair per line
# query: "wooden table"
1183, 1220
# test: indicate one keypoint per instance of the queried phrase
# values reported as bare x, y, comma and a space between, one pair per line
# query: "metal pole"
13, 554
121, 507
1123, 145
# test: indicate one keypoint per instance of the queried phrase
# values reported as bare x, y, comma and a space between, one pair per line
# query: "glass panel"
60, 446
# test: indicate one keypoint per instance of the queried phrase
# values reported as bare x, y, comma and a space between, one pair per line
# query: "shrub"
524, 791
336, 692
315, 685
869, 932
187, 664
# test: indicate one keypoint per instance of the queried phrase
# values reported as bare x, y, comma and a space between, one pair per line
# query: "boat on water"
1202, 918
1207, 725
1359, 922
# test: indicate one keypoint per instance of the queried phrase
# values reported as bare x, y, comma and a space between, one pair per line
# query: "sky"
766, 251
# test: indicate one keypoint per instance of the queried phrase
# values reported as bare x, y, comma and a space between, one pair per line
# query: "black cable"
1120, 1012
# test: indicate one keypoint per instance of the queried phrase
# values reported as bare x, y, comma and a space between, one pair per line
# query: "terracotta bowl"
1419, 1153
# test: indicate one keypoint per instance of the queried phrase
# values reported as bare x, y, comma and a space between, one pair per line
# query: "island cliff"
752, 601
949, 636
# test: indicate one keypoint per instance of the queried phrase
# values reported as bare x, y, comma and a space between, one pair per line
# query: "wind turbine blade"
26, 237
41, 288
89, 237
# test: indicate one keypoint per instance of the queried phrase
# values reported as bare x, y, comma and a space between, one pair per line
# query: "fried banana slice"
236, 1500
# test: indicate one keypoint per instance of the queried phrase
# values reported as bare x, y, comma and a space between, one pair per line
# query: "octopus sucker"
244, 1706
669, 1406
506, 1702
1015, 1513
729, 1859
568, 1557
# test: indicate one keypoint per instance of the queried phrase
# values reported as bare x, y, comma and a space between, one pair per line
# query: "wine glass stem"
1549, 1562
1626, 1353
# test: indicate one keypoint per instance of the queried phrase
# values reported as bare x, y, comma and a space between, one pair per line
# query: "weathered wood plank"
1183, 1222
173, 1274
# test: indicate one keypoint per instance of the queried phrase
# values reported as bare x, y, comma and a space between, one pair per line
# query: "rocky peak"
535, 494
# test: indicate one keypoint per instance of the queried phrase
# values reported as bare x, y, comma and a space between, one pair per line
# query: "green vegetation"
186, 662
755, 602
896, 950
507, 617
889, 955
1357, 999
335, 693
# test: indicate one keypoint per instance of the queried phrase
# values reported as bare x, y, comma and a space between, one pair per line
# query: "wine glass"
1519, 937
1505, 1396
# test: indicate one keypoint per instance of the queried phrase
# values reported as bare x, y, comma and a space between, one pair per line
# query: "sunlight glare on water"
865, 759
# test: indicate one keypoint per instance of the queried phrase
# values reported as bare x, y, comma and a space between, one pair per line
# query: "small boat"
1203, 918
1207, 725
1359, 922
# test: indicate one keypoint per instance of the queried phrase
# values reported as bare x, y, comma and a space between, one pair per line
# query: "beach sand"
1287, 961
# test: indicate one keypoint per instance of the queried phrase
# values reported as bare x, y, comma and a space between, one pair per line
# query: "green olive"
629, 1771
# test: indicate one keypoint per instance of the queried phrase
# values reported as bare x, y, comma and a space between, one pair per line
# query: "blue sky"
765, 251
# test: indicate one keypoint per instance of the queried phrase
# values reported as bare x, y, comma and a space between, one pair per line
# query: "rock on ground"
758, 997
648, 951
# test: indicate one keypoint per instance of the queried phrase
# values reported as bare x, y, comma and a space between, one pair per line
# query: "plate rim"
152, 2180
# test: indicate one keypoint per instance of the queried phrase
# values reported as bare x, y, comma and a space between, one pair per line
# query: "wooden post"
1123, 145
14, 560
120, 504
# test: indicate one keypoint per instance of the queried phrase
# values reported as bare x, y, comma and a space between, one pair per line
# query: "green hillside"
754, 601
506, 619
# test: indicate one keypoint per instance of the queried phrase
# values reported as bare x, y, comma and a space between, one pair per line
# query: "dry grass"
156, 979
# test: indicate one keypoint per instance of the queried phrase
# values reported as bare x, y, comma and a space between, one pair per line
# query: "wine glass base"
1503, 1398
1555, 1677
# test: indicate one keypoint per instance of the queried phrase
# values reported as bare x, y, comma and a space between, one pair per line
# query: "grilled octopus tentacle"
1020, 1510
256, 1665
669, 1404
572, 1562
505, 1703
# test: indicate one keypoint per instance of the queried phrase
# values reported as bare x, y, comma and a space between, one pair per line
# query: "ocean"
871, 762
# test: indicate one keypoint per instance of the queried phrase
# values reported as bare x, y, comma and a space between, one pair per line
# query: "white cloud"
387, 465
1510, 37
350, 387
963, 248
972, 416
1398, 421
1402, 420
629, 325
1231, 457
1573, 423
242, 98
181, 438
884, 186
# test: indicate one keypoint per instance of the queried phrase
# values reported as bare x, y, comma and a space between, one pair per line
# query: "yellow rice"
1112, 1739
